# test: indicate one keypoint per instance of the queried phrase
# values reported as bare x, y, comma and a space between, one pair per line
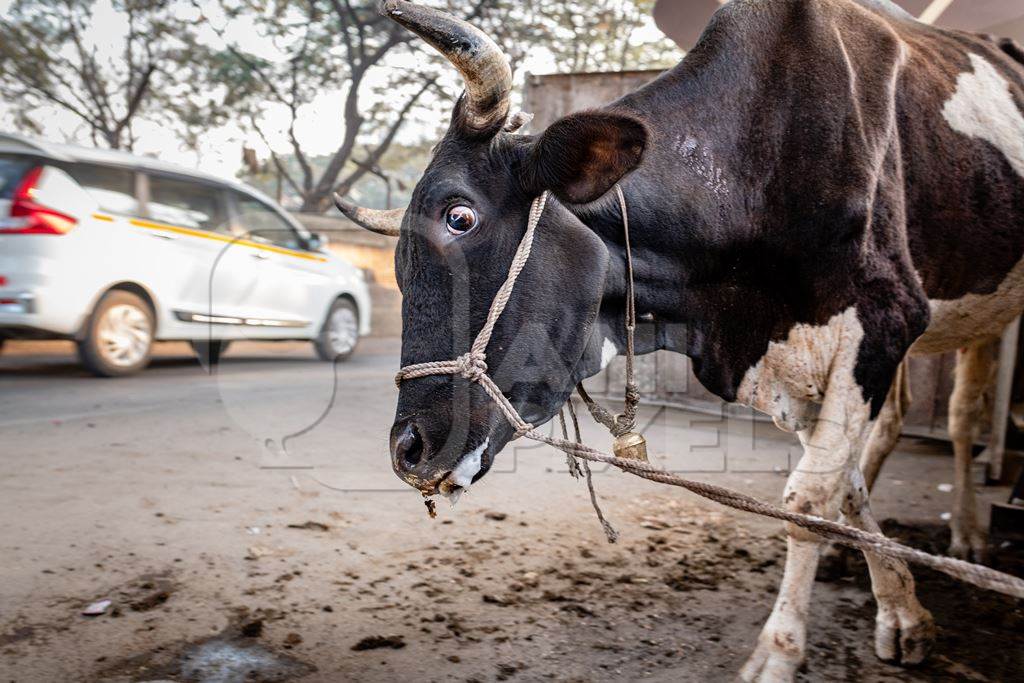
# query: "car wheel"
119, 337
340, 333
209, 351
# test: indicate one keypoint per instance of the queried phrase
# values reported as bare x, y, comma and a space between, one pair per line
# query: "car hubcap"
343, 330
124, 335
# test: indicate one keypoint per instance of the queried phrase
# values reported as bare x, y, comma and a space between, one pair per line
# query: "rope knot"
626, 420
471, 365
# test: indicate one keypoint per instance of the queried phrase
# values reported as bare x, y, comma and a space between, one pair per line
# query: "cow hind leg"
904, 630
973, 372
885, 432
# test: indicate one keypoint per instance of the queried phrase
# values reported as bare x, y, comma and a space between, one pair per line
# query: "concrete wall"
553, 96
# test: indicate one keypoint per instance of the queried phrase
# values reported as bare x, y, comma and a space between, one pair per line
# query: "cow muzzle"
432, 470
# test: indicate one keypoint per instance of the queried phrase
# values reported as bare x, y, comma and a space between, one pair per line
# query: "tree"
582, 35
324, 43
605, 35
54, 55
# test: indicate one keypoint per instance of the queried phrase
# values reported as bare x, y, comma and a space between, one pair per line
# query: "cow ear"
581, 156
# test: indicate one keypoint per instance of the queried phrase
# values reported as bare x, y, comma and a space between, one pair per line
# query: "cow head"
456, 242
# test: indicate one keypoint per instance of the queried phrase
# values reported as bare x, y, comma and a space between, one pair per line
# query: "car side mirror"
316, 241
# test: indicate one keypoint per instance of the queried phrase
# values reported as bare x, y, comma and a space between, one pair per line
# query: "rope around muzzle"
473, 367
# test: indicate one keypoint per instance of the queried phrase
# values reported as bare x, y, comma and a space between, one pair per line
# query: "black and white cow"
820, 188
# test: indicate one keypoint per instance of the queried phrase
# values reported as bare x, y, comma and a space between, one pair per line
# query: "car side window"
263, 224
113, 188
187, 204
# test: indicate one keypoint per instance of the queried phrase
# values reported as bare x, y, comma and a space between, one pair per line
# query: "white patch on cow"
983, 107
464, 472
791, 379
608, 352
468, 466
973, 318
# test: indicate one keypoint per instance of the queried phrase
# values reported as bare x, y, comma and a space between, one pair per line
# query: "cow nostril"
410, 446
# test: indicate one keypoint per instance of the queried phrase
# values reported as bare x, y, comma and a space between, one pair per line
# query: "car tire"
209, 351
118, 337
340, 334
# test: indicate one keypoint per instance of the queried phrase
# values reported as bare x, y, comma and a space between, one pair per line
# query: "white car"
116, 251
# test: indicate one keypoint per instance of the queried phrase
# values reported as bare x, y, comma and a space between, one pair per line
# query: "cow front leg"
780, 647
904, 630
817, 486
882, 439
973, 373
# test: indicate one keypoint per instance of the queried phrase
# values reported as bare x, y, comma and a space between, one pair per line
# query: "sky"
318, 127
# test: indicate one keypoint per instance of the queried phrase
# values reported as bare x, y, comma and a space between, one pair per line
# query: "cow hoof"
905, 638
972, 548
770, 665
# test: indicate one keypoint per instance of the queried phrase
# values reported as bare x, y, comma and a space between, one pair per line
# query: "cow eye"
460, 219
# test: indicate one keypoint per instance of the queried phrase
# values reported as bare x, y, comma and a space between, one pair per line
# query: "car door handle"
163, 236
259, 255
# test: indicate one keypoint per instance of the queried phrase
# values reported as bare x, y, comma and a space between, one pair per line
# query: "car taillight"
35, 219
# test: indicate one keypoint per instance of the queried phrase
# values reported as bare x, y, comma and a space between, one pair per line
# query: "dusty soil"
221, 570
679, 597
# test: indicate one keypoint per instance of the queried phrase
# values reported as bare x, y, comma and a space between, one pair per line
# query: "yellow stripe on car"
206, 235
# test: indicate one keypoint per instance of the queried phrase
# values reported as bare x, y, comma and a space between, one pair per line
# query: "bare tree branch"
281, 170
49, 58
382, 147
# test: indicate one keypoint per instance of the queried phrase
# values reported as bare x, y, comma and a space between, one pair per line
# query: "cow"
817, 190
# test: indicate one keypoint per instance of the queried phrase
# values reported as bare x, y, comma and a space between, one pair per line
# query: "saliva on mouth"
458, 482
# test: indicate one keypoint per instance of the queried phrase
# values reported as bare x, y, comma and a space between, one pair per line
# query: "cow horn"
383, 222
483, 65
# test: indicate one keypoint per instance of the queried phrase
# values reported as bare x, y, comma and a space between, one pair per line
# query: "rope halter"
473, 364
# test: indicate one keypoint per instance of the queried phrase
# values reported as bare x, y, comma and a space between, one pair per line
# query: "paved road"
261, 393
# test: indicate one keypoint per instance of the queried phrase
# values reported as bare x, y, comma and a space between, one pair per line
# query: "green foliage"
401, 168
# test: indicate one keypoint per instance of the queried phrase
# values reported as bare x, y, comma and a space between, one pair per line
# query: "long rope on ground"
978, 575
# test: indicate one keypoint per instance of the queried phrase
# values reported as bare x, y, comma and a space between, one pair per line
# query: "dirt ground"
224, 560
